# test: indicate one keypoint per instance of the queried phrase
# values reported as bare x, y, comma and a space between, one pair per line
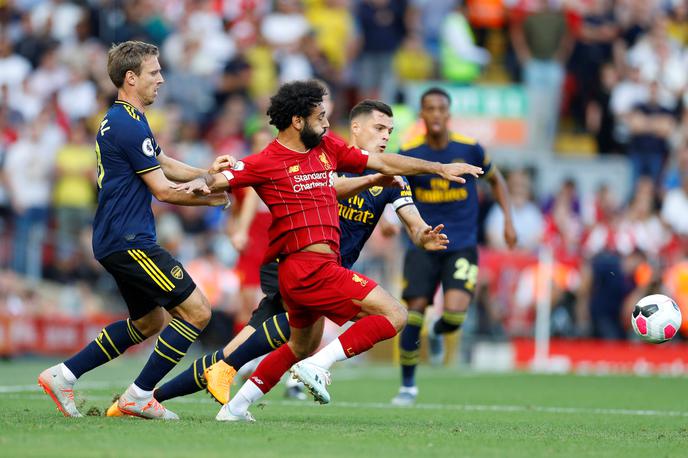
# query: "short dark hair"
128, 56
434, 91
297, 98
368, 106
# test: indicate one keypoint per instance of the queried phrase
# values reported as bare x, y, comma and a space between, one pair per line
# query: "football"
656, 318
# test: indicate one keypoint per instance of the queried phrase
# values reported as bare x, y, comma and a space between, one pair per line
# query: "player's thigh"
421, 275
459, 278
148, 278
305, 340
380, 302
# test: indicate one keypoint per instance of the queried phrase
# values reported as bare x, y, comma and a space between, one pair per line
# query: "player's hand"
510, 236
239, 240
197, 186
222, 163
432, 239
453, 171
389, 181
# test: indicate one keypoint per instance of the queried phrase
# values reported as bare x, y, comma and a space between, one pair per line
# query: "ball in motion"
656, 318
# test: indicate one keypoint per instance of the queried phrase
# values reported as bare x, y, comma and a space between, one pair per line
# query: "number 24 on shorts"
465, 271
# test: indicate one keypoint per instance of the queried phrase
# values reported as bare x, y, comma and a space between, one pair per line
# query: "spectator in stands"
527, 217
678, 169
641, 223
599, 117
383, 25
675, 206
650, 126
74, 195
28, 171
608, 281
461, 59
595, 39
542, 43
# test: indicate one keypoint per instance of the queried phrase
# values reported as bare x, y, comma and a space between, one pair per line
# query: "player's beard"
309, 137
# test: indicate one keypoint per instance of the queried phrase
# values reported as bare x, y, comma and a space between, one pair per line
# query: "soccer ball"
656, 318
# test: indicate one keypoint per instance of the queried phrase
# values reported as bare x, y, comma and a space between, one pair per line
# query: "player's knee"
150, 324
398, 315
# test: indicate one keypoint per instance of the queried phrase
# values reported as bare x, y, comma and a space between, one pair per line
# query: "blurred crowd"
615, 70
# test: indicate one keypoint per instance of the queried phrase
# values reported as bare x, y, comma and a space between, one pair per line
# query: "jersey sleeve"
483, 160
349, 158
400, 197
250, 171
139, 147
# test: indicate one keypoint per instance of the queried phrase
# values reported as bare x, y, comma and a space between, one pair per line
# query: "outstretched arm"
178, 171
422, 235
350, 186
396, 164
165, 191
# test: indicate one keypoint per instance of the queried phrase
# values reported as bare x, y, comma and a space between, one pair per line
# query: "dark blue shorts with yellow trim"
424, 271
148, 278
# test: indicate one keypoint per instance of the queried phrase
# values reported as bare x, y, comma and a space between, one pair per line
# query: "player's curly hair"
297, 98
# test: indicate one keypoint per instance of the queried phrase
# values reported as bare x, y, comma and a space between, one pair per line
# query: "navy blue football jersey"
359, 214
125, 149
441, 201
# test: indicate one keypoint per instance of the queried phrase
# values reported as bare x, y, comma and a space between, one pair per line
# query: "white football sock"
247, 395
67, 374
329, 355
140, 393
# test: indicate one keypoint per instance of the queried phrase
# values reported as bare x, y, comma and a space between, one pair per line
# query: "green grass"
459, 414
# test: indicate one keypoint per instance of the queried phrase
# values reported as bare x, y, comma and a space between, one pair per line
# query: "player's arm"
242, 223
397, 164
422, 235
164, 190
178, 171
501, 194
350, 186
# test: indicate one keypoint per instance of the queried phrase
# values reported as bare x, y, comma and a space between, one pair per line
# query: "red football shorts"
315, 284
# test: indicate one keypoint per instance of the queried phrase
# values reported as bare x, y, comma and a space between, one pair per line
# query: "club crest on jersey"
294, 168
238, 166
325, 161
177, 272
360, 280
375, 190
147, 147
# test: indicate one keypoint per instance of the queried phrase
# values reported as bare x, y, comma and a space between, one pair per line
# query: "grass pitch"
458, 414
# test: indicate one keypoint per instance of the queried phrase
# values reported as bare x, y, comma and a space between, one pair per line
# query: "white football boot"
315, 378
406, 396
148, 407
60, 390
226, 415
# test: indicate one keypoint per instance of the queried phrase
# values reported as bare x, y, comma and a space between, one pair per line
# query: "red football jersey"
298, 188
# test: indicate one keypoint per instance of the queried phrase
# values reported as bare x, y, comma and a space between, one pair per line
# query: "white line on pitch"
380, 405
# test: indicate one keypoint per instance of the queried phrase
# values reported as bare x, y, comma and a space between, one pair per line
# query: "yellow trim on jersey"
459, 138
165, 356
170, 346
274, 319
415, 142
213, 360
418, 140
150, 262
130, 109
267, 335
150, 273
139, 172
110, 340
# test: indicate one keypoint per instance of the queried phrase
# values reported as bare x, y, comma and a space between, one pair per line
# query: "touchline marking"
15, 393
